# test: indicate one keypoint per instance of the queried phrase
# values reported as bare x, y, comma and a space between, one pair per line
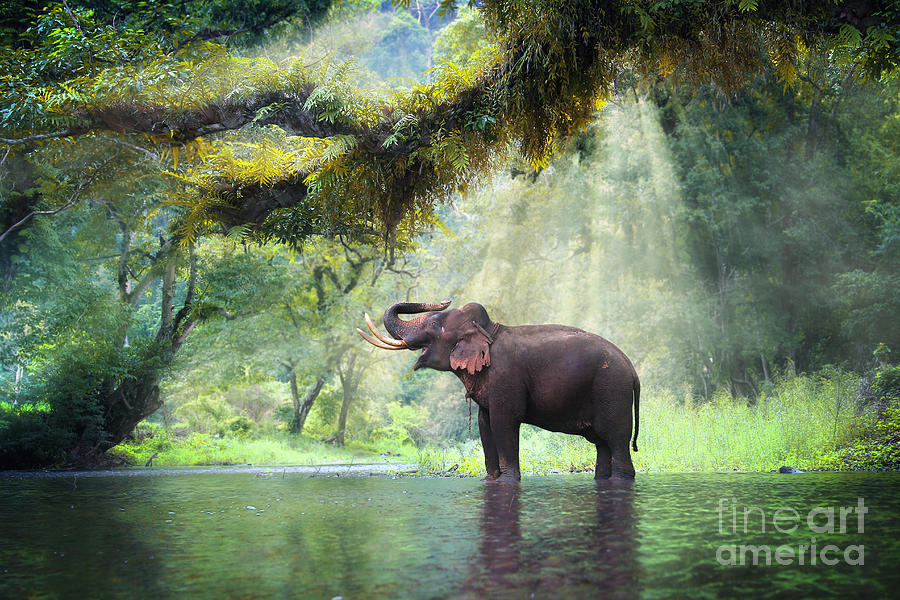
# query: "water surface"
280, 534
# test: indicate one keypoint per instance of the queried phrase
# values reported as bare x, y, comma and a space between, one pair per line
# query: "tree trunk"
135, 397
302, 408
349, 384
295, 395
130, 403
342, 420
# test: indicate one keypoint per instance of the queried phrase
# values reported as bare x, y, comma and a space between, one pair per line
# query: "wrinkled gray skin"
556, 377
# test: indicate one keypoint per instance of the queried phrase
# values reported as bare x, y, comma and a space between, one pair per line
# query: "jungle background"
741, 243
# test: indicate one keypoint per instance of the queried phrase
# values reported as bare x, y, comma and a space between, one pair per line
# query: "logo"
735, 519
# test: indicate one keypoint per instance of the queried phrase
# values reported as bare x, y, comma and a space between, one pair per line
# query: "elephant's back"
552, 335
564, 369
566, 345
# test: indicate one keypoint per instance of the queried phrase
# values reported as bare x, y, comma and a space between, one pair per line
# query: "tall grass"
797, 423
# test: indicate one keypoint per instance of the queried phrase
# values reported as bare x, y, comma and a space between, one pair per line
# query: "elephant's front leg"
505, 430
491, 461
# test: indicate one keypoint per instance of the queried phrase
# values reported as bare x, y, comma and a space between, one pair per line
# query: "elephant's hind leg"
622, 467
604, 467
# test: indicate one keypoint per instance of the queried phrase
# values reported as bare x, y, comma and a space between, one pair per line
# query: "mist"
590, 242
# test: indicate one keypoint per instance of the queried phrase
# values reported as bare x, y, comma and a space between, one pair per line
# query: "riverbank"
810, 422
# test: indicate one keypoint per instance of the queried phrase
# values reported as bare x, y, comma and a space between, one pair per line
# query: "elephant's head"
455, 339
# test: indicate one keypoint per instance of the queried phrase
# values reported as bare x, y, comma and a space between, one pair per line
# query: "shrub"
886, 384
237, 427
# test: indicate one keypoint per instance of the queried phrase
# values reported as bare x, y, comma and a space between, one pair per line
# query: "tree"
337, 283
324, 157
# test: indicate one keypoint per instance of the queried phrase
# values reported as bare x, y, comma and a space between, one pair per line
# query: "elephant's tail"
637, 404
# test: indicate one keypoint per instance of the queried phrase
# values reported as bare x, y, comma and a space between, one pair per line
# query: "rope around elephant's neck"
490, 336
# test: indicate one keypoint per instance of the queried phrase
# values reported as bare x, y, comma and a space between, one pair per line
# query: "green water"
249, 534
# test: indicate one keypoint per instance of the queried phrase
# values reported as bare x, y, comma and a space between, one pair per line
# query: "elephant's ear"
472, 351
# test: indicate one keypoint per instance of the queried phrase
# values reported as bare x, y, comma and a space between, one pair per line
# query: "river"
257, 533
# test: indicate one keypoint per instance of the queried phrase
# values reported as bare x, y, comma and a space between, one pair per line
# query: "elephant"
555, 377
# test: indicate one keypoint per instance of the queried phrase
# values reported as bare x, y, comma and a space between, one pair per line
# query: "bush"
886, 385
237, 427
406, 426
27, 439
206, 449
55, 417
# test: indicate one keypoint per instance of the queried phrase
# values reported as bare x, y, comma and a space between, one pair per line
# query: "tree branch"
38, 137
290, 313
318, 274
181, 126
157, 259
179, 339
536, 92
72, 199
151, 155
356, 269
228, 316
191, 286
28, 217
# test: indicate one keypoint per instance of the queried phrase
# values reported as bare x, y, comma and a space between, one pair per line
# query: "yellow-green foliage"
206, 449
386, 157
798, 423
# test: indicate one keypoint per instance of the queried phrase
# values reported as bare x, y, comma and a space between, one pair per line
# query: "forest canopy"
288, 149
220, 186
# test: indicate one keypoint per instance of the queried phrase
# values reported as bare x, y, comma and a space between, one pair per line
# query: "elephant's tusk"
375, 342
389, 342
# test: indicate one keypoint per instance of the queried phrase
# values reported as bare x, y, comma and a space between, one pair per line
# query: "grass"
800, 422
280, 449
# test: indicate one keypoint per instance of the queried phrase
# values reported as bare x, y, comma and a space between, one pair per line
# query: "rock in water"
786, 469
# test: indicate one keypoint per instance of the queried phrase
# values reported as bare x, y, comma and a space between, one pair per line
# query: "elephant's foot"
603, 470
614, 483
622, 468
622, 475
491, 476
508, 477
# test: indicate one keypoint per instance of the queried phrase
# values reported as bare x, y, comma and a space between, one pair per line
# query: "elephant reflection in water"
588, 550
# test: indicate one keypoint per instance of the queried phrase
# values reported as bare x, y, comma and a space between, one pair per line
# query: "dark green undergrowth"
877, 447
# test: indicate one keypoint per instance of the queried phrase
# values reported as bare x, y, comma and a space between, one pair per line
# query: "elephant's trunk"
402, 330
